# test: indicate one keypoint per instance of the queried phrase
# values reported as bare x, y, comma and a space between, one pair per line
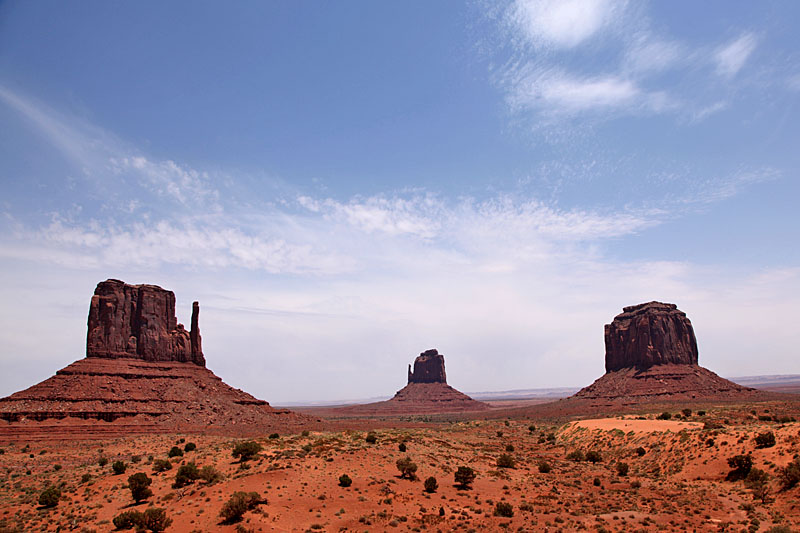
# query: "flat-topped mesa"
428, 368
139, 322
650, 334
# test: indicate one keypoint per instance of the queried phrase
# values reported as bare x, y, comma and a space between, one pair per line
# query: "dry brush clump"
233, 510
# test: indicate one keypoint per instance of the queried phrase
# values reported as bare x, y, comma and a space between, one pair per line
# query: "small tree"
209, 474
506, 461
345, 481
758, 482
504, 509
190, 447
155, 519
622, 469
431, 484
246, 450
186, 474
371, 438
687, 412
161, 465
664, 416
240, 503
407, 468
790, 474
593, 456
128, 520
139, 484
175, 452
765, 440
49, 497
464, 476
402, 447
544, 467
119, 467
274, 436
741, 465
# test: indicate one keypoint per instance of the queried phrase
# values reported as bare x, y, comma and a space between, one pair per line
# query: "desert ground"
541, 467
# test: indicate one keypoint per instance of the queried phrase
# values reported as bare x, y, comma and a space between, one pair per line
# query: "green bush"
593, 456
687, 412
407, 468
622, 469
49, 497
345, 481
431, 484
544, 467
175, 452
246, 450
102, 461
371, 438
509, 447
464, 476
506, 461
186, 474
531, 428
119, 467
596, 482
402, 447
790, 474
664, 416
241, 502
504, 509
209, 474
139, 484
765, 440
758, 483
741, 465
128, 519
161, 465
190, 447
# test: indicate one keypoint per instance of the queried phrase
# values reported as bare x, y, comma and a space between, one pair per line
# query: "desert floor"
676, 478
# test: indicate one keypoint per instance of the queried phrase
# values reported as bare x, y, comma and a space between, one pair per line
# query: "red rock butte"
651, 355
427, 392
143, 371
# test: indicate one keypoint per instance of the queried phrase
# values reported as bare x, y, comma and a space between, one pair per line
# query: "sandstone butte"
143, 372
651, 355
427, 392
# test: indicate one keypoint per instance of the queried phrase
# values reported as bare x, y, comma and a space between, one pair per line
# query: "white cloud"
648, 54
562, 23
731, 57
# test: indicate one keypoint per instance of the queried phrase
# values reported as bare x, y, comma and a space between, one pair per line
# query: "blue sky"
344, 185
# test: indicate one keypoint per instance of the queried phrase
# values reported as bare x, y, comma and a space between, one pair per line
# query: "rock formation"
142, 372
650, 334
427, 391
651, 355
138, 322
428, 368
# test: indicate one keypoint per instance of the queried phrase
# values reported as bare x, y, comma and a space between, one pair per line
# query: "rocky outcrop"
428, 368
650, 334
139, 322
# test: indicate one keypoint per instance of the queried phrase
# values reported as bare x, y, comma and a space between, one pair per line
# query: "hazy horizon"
343, 186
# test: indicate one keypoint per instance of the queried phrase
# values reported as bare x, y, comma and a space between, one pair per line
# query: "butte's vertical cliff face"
649, 334
139, 322
428, 368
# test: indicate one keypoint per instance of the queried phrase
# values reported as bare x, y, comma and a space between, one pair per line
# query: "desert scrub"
345, 481
576, 455
544, 467
464, 476
402, 447
139, 484
431, 485
175, 452
154, 519
622, 469
119, 467
233, 510
49, 497
161, 465
765, 440
371, 438
246, 450
407, 468
593, 456
506, 461
790, 474
741, 465
504, 509
190, 447
210, 475
186, 474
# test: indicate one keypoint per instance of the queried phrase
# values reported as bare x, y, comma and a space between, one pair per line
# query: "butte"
143, 372
651, 356
427, 392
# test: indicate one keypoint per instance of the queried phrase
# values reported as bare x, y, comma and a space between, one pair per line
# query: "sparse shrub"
596, 482
161, 465
139, 484
175, 452
710, 442
402, 447
407, 468
155, 519
190, 447
758, 483
504, 509
86, 478
711, 424
209, 474
57, 467
593, 456
701, 413
274, 436
239, 503
500, 434
186, 474
664, 416
506, 461
765, 418
636, 484
531, 428
128, 519
576, 455
765, 440
790, 474
371, 438
102, 461
49, 497
622, 469
687, 412
741, 465
551, 437
779, 529
181, 441
464, 476
119, 467
246, 450
544, 467
431, 484
345, 481
509, 447
305, 433
640, 451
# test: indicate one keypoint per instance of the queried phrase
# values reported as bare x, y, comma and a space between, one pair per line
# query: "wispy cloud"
562, 23
731, 57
